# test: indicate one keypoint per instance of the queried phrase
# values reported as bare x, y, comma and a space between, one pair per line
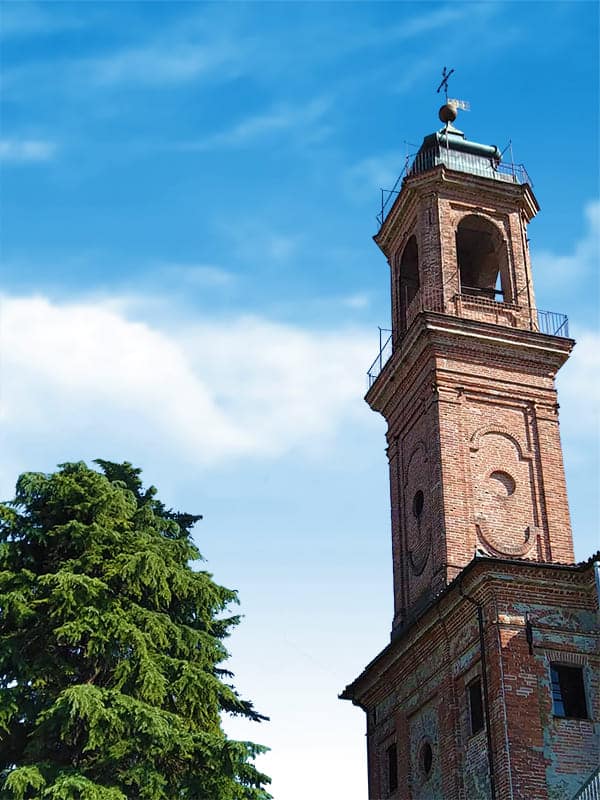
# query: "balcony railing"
552, 323
591, 788
474, 307
384, 355
425, 160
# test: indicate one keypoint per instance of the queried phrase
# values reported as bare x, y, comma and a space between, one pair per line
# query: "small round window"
426, 758
502, 483
418, 503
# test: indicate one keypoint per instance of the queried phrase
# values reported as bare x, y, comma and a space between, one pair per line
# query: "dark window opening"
568, 692
409, 278
482, 260
418, 503
392, 768
426, 758
475, 706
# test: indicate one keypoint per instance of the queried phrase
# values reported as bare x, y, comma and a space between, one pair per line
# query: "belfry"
489, 687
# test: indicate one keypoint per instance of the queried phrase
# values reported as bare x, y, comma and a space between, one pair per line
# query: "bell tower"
488, 688
468, 391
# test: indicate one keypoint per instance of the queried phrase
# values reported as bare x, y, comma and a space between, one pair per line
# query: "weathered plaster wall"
420, 694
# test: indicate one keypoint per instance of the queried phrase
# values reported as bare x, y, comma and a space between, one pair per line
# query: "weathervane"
444, 83
448, 112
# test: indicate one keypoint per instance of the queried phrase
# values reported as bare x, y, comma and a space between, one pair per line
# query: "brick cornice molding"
441, 335
444, 183
480, 579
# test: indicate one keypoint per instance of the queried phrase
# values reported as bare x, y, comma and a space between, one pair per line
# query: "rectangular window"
568, 692
475, 706
392, 768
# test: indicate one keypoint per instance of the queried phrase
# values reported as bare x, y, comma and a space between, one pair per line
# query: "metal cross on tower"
444, 83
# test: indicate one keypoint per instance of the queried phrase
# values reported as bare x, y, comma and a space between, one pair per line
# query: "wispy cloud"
356, 301
182, 52
420, 24
279, 247
163, 63
307, 120
200, 275
415, 53
254, 240
372, 173
18, 151
27, 19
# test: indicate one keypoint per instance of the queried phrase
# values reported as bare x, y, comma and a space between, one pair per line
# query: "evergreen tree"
110, 643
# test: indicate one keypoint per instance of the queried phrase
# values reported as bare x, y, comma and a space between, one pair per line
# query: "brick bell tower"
468, 393
489, 607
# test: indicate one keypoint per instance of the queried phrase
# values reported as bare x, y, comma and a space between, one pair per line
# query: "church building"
490, 685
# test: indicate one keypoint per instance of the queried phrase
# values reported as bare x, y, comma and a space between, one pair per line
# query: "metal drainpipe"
505, 715
486, 703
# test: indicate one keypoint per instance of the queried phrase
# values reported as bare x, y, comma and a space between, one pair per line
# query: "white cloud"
579, 397
26, 150
556, 271
579, 389
84, 380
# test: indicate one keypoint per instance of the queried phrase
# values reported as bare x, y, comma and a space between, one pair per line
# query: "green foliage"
110, 643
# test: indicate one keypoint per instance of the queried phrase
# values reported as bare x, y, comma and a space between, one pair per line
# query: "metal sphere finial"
447, 113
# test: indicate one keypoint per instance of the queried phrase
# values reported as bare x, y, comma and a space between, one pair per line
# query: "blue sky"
189, 282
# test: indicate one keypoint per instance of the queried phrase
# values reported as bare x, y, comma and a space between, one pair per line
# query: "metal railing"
385, 353
389, 195
483, 298
552, 323
590, 789
517, 172
485, 309
425, 160
475, 307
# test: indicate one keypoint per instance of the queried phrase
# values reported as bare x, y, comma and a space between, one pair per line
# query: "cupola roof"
450, 147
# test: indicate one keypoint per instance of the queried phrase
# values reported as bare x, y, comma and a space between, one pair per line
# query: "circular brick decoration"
502, 484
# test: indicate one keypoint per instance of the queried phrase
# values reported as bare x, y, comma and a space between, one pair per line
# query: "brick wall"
469, 397
476, 469
417, 690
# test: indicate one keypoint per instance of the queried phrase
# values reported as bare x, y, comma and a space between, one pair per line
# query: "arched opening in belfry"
409, 279
482, 260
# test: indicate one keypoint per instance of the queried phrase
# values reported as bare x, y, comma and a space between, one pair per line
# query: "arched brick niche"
482, 259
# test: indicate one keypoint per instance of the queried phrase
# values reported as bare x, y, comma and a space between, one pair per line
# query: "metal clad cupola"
450, 147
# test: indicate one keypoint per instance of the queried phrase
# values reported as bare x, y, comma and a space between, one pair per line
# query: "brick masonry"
479, 516
415, 691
